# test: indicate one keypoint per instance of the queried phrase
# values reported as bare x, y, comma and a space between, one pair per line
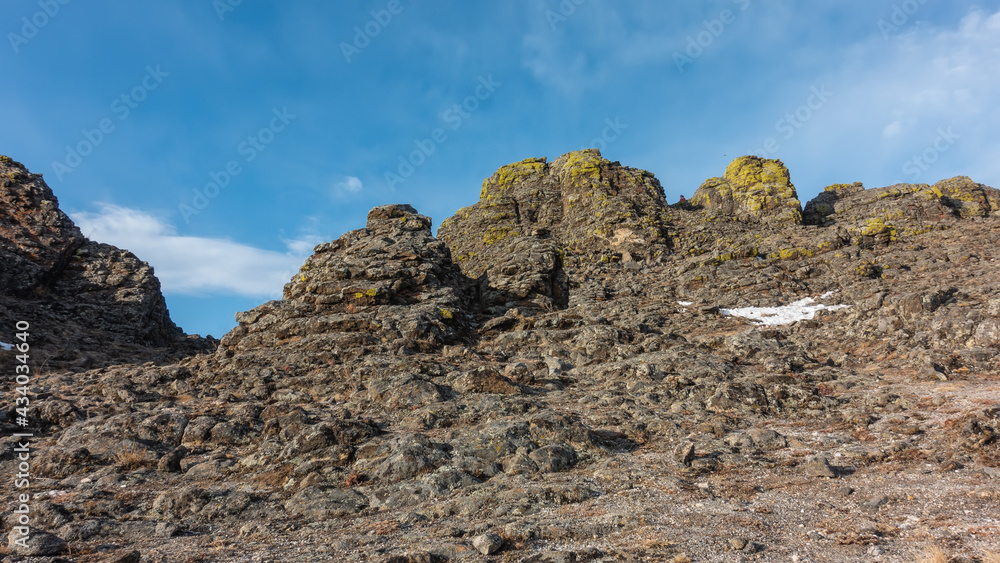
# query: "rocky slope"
558, 376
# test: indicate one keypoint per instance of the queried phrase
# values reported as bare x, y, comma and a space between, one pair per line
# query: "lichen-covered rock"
884, 215
752, 188
534, 216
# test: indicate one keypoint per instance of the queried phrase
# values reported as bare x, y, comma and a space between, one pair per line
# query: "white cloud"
195, 265
351, 184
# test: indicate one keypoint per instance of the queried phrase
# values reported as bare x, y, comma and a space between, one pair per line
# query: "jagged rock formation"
752, 188
553, 378
532, 213
90, 303
390, 287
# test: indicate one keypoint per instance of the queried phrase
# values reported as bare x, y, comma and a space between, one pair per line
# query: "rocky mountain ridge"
557, 376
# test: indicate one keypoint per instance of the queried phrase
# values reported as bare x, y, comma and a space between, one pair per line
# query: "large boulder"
752, 189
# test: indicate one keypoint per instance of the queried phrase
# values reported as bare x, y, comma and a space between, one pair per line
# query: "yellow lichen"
877, 226
496, 234
791, 254
509, 175
836, 187
584, 164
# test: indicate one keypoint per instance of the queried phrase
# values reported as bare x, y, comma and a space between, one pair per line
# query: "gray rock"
171, 461
684, 453
488, 543
38, 542
80, 530
767, 439
817, 466
179, 503
555, 457
167, 529
133, 556
319, 502
877, 502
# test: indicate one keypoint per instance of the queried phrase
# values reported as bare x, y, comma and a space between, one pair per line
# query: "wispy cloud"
352, 184
197, 266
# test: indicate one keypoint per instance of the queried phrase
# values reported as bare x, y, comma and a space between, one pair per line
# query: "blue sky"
221, 139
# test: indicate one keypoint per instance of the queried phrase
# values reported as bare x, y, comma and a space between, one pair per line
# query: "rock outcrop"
752, 188
87, 302
388, 288
532, 214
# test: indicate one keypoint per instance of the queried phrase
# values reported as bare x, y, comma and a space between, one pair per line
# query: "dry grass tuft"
933, 555
991, 557
130, 458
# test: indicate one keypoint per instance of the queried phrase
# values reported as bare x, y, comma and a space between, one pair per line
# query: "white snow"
5, 346
800, 310
685, 303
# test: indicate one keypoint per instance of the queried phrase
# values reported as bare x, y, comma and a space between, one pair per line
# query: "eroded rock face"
87, 301
532, 214
752, 188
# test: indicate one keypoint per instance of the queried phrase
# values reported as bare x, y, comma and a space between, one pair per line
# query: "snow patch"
801, 310
685, 303
5, 346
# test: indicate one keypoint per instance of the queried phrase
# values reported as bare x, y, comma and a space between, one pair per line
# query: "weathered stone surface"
752, 188
39, 543
533, 215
